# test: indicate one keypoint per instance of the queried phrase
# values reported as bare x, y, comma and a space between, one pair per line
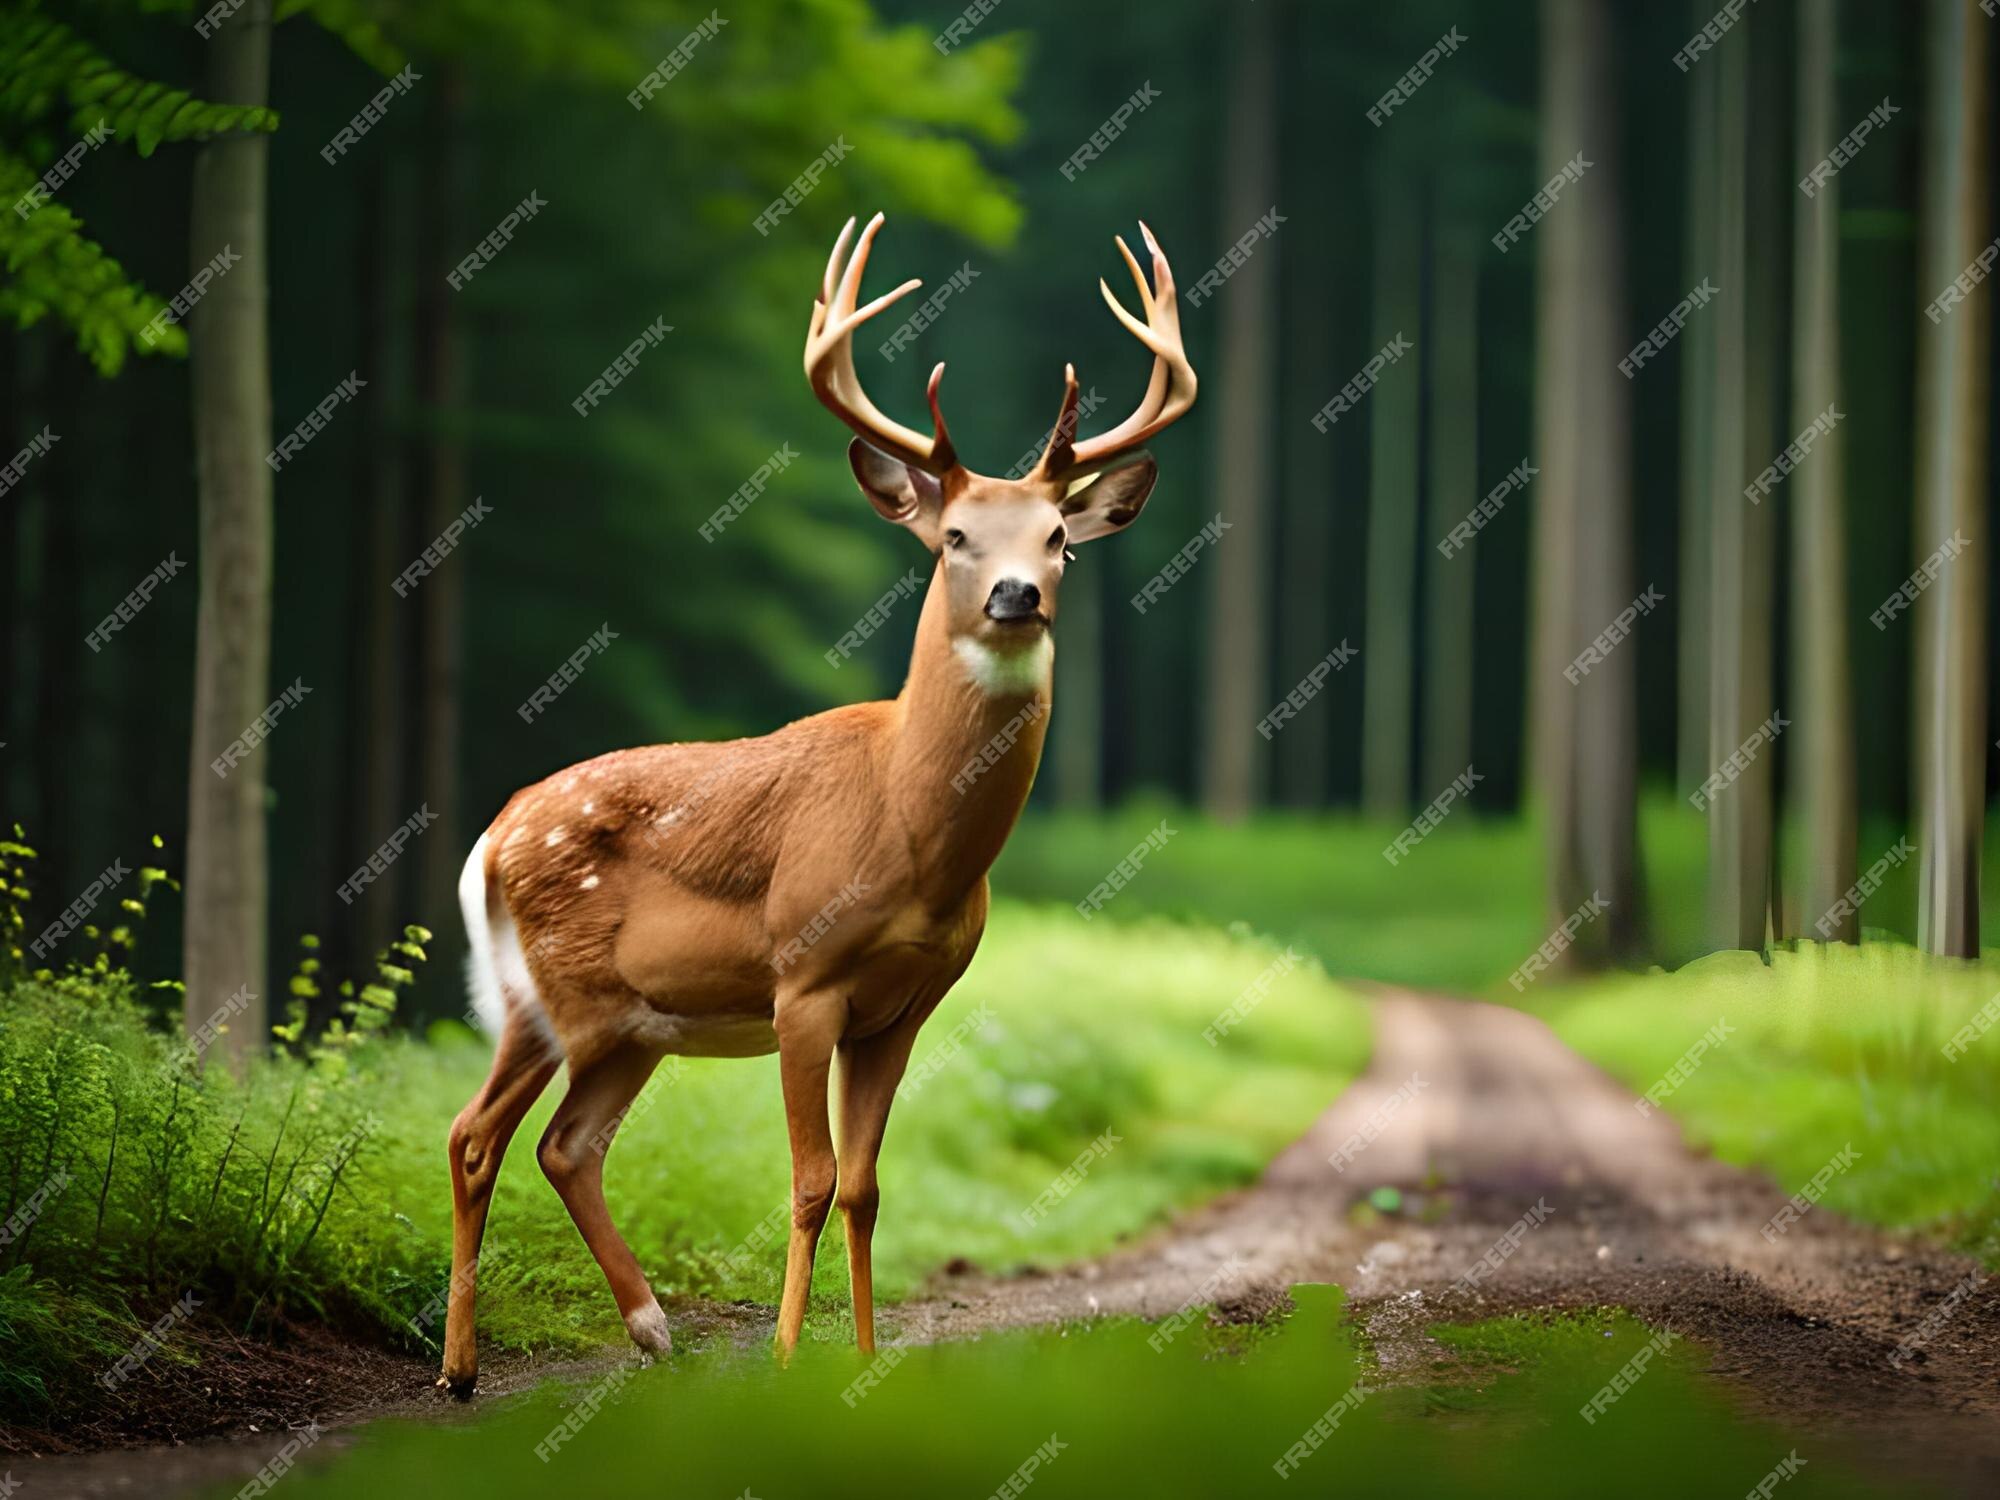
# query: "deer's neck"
969, 736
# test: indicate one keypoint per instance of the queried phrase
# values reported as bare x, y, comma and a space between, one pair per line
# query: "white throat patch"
995, 672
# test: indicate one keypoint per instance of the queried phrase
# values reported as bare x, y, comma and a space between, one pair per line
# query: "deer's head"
1002, 542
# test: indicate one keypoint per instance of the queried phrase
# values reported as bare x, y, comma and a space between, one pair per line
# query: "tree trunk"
59, 611
1951, 487
1388, 659
1077, 719
1239, 655
439, 475
1307, 507
228, 338
1697, 436
1821, 744
1740, 635
1454, 491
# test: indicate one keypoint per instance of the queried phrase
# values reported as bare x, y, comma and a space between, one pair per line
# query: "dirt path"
1478, 1114
1485, 1103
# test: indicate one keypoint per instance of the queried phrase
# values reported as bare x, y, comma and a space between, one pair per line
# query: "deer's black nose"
1012, 599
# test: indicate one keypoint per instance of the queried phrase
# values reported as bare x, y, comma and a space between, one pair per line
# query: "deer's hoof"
460, 1386
648, 1327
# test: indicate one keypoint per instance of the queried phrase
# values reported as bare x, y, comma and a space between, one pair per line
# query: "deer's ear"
899, 493
1109, 500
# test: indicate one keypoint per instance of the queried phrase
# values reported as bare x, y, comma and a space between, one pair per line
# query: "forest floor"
1492, 1134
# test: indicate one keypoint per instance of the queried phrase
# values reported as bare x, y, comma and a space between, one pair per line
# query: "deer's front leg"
808, 1027
870, 1069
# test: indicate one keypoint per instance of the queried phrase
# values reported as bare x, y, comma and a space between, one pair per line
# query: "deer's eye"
954, 538
1056, 538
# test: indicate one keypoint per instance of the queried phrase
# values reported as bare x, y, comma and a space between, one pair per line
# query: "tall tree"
1239, 637
1585, 760
1453, 491
1821, 744
226, 889
1697, 434
1952, 379
1388, 660
1739, 819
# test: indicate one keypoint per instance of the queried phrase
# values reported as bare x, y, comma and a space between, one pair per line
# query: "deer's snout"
1012, 599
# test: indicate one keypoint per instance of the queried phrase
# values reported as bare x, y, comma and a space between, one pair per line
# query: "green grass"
1085, 1029
1207, 1414
1828, 1046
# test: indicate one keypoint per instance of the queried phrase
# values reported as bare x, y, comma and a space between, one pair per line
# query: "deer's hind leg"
572, 1155
523, 1064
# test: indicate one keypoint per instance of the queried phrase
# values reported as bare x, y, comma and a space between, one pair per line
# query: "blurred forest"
1662, 173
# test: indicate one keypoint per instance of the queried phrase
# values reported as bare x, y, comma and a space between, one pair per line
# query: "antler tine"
1169, 392
829, 360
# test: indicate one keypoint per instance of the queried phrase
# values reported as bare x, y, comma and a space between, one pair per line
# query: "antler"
830, 361
1168, 395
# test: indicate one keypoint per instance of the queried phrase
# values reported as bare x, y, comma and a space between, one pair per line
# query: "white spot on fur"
590, 807
590, 882
555, 837
995, 671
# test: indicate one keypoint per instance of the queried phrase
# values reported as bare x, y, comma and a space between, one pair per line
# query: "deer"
814, 892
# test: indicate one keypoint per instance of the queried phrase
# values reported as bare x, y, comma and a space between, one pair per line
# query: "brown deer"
814, 892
